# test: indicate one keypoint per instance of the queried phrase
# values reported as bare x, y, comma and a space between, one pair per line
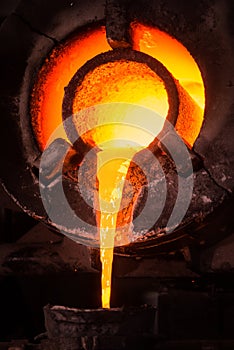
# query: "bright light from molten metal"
176, 58
66, 59
120, 81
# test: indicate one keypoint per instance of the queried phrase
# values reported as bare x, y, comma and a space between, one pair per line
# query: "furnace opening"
67, 58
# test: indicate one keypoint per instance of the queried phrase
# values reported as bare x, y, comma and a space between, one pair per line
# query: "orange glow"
66, 59
177, 59
57, 71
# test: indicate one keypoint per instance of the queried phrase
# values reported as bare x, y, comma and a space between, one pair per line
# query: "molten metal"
118, 81
63, 62
115, 133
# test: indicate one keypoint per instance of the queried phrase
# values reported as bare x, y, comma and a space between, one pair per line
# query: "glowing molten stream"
111, 176
116, 130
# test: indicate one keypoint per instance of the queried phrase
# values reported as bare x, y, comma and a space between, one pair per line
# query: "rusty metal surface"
117, 24
100, 328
